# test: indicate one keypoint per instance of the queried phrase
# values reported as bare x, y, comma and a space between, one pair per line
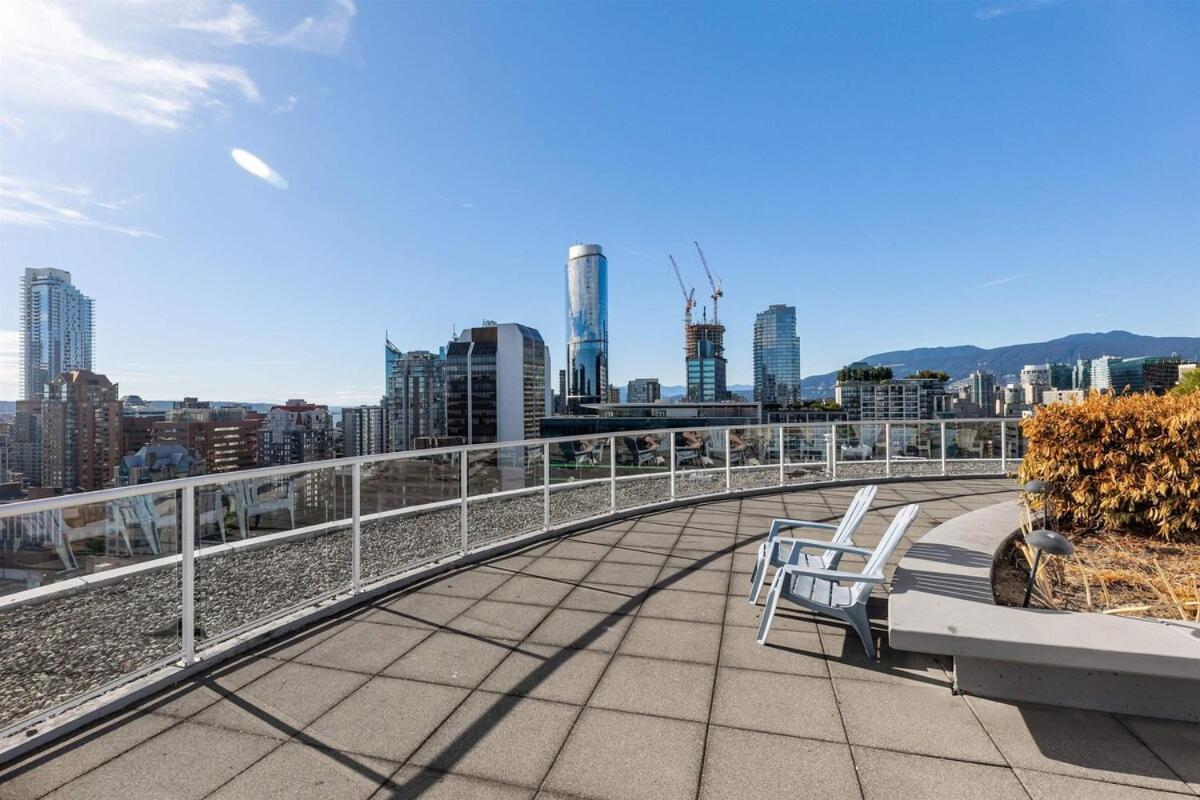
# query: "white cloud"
287, 106
10, 353
48, 59
43, 205
322, 34
258, 168
1000, 281
234, 24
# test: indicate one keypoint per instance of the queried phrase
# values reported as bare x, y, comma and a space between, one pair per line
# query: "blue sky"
905, 174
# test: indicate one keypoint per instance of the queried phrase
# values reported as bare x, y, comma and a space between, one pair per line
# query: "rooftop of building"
617, 662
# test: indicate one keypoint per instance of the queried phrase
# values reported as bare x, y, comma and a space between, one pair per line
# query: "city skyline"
799, 156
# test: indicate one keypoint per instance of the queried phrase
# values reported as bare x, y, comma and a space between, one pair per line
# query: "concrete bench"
942, 602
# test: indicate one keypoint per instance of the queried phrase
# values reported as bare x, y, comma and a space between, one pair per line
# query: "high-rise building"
294, 433
81, 432
706, 374
1081, 375
1101, 373
587, 325
863, 398
26, 448
56, 329
414, 397
496, 387
776, 356
225, 438
1056, 376
983, 391
643, 390
362, 431
1144, 373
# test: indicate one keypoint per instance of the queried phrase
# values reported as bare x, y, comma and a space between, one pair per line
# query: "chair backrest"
855, 512
887, 545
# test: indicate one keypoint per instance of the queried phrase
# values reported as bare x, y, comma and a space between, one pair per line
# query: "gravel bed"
392, 544
647, 489
491, 518
579, 502
755, 477
688, 484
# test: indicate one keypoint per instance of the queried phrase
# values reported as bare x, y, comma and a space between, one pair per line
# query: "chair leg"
862, 626
764, 626
760, 572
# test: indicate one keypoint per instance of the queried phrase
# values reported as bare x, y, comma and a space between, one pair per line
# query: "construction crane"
689, 297
717, 293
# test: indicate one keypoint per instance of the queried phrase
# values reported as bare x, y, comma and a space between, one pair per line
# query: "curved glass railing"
102, 587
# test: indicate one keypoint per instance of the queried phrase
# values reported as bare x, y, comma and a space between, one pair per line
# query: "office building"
1055, 376
983, 391
1068, 396
1101, 373
158, 462
1081, 375
496, 387
1144, 374
643, 390
706, 374
363, 431
81, 432
867, 399
414, 397
294, 433
25, 450
225, 438
56, 329
587, 325
776, 356
601, 418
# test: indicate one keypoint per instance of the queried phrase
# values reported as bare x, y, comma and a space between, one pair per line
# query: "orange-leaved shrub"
1125, 462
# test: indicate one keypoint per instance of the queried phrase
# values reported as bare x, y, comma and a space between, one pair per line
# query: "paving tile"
188, 698
363, 647
793, 705
623, 554
739, 613
451, 658
584, 551
567, 569
473, 583
167, 766
533, 590
419, 610
492, 619
914, 719
690, 606
886, 775
608, 535
751, 764
790, 652
46, 770
700, 559
607, 599
308, 773
648, 686
293, 644
1176, 743
413, 782
283, 701
386, 718
502, 737
581, 629
703, 544
693, 580
1068, 741
673, 639
548, 672
1047, 786
649, 540
607, 572
617, 756
847, 659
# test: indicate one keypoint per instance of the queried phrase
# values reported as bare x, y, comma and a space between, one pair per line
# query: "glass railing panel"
915, 449
505, 490
290, 543
699, 462
806, 453
754, 455
410, 512
643, 467
1014, 442
62, 644
972, 446
860, 450
579, 478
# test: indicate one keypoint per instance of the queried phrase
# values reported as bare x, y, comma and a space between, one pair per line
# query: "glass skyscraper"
56, 329
587, 325
776, 356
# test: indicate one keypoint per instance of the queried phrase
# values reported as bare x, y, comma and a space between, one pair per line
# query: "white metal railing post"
612, 473
943, 435
462, 493
1003, 446
546, 485
728, 463
887, 449
781, 480
187, 535
672, 435
356, 515
833, 453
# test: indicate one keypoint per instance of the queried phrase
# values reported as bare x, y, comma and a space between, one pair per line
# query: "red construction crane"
717, 293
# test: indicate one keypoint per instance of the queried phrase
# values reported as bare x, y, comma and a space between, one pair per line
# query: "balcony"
418, 625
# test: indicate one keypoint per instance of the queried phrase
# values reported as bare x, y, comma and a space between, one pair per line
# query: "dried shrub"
1128, 462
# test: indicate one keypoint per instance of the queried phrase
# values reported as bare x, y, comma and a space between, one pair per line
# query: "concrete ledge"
942, 602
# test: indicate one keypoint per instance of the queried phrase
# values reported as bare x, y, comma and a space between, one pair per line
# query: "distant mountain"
1006, 362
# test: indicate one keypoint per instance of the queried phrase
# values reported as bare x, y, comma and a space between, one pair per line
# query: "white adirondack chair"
836, 593
775, 550
264, 496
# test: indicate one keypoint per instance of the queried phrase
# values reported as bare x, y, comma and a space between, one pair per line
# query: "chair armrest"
833, 574
817, 544
783, 524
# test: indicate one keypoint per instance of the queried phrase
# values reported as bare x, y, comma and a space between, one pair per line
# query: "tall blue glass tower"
587, 325
776, 356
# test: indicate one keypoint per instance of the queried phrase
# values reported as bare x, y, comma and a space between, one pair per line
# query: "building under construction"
703, 342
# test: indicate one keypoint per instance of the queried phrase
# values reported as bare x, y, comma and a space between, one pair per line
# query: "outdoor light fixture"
1043, 541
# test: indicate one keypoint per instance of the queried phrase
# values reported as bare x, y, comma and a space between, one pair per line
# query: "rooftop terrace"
616, 662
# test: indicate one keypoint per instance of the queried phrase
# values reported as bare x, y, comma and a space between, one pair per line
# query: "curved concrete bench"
942, 602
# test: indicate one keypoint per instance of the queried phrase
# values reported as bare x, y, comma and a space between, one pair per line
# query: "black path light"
1043, 541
